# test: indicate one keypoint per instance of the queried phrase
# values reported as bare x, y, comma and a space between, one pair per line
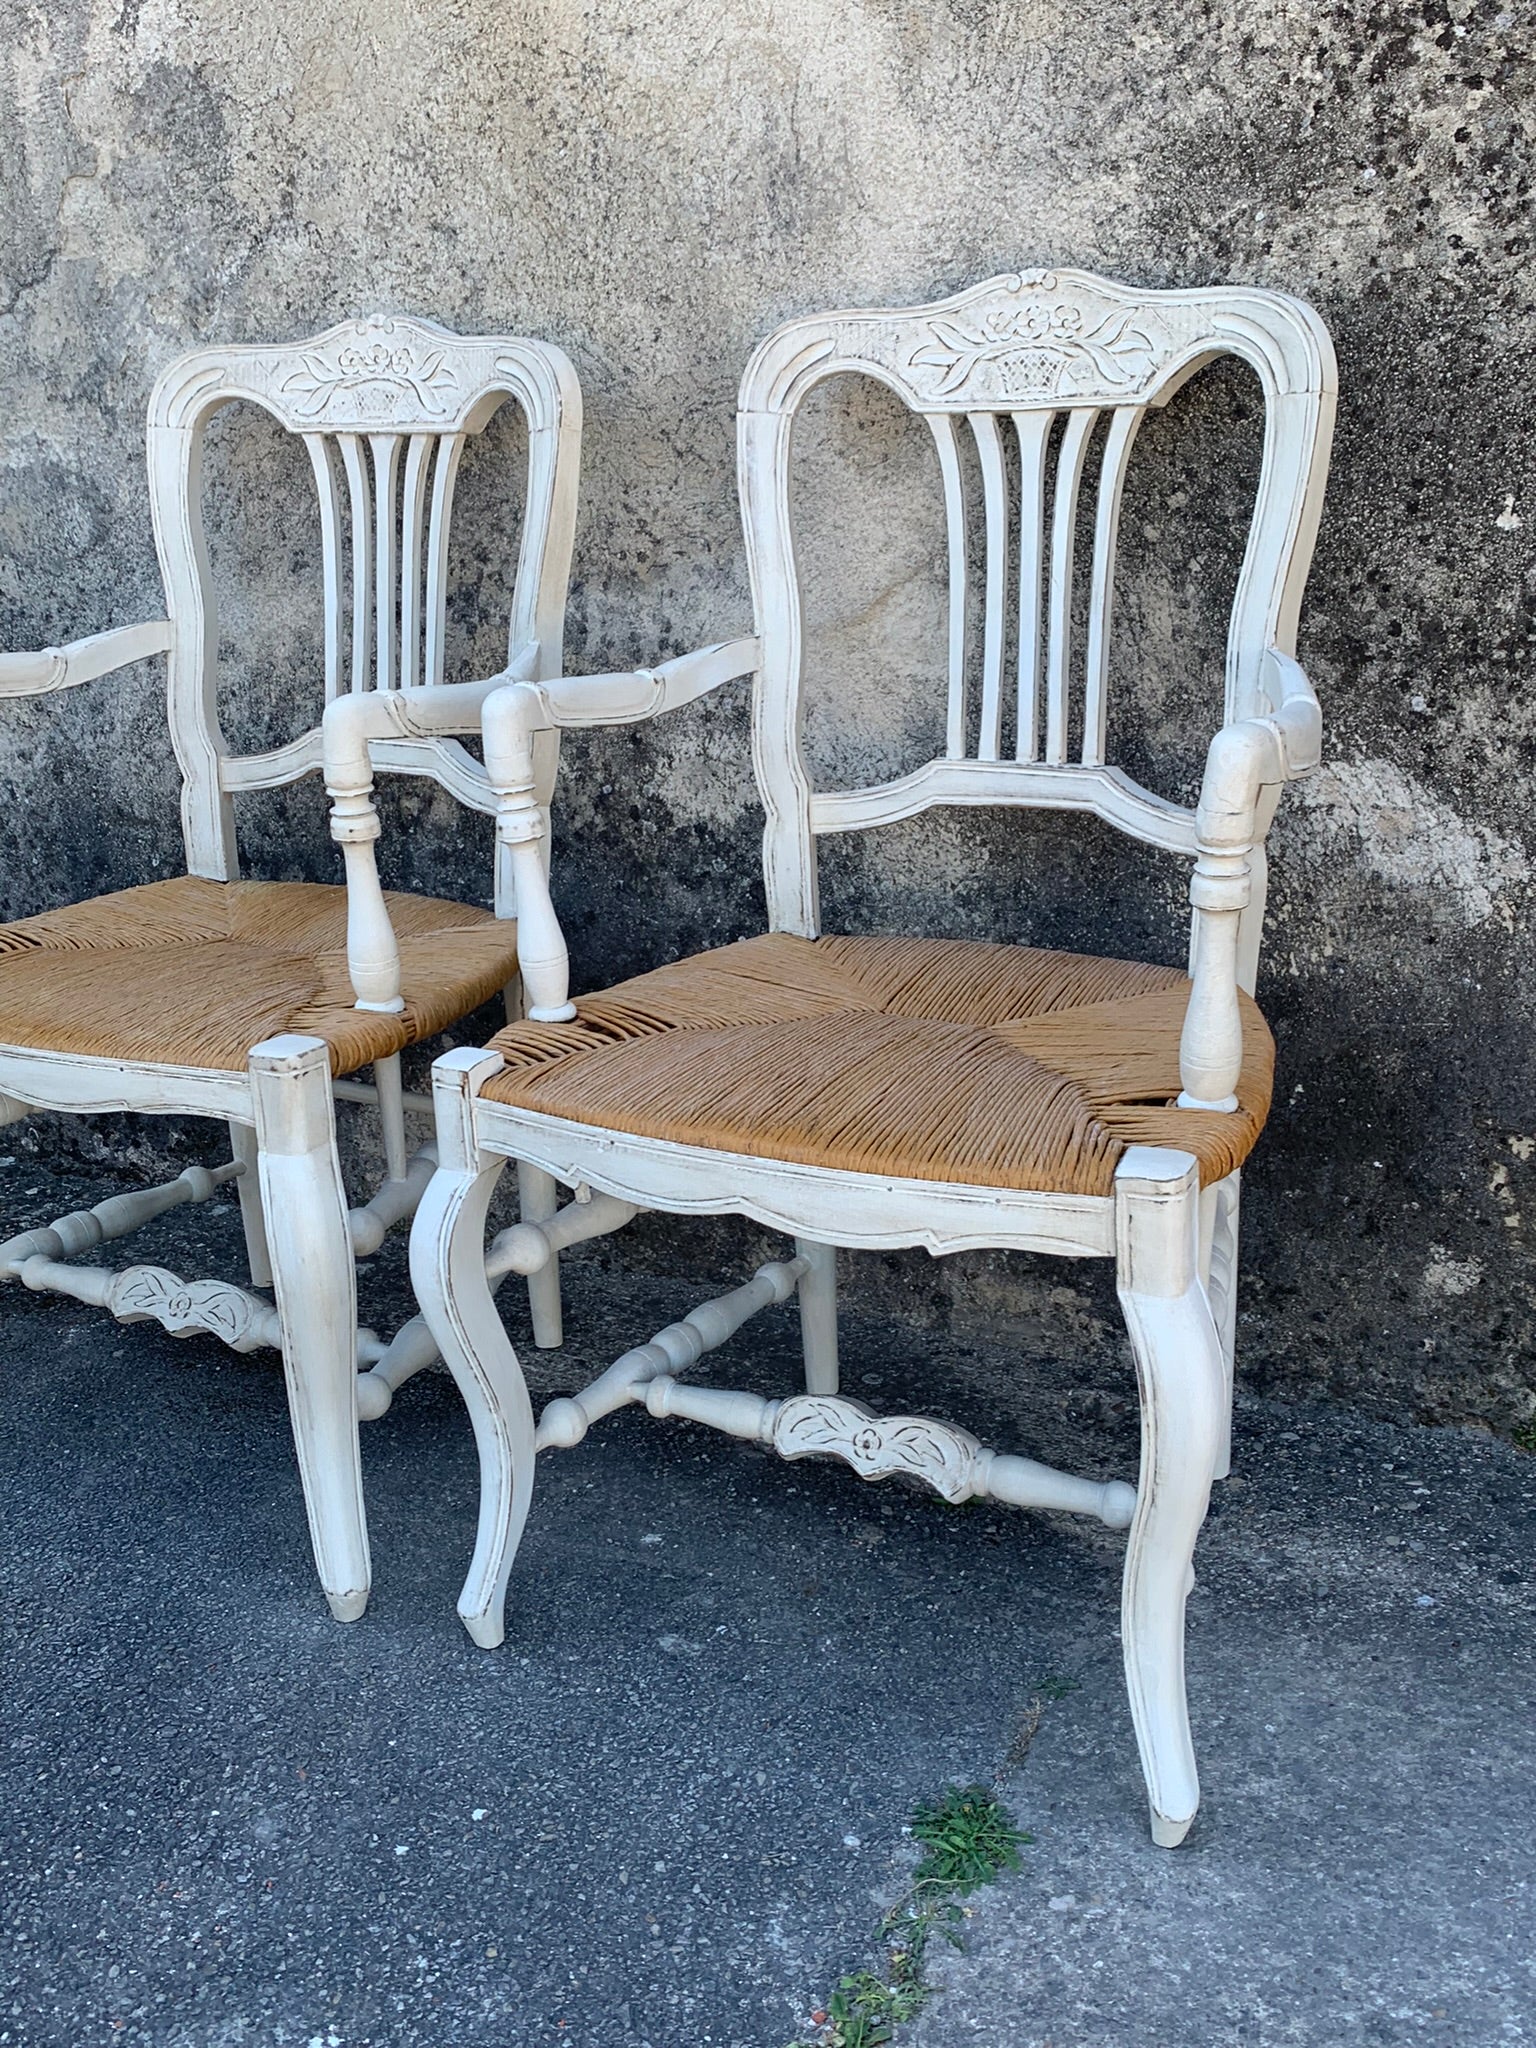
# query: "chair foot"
1180, 1372
488, 1630
315, 1283
1169, 1833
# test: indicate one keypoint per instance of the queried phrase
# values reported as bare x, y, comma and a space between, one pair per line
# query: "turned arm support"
1245, 760
438, 711
82, 661
513, 717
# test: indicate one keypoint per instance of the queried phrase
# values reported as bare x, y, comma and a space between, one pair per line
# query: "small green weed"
969, 1838
864, 2009
1525, 1437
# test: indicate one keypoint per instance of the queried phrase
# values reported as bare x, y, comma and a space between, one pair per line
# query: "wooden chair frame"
396, 400
1015, 351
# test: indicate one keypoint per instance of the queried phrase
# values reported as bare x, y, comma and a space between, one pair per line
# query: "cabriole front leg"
448, 1273
315, 1283
1179, 1370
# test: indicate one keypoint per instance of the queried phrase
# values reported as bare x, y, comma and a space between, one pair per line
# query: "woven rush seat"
194, 973
929, 1059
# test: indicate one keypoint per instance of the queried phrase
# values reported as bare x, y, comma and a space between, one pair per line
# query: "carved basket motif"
1020, 341
380, 373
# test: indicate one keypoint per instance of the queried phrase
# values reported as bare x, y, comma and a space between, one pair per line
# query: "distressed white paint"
1183, 1417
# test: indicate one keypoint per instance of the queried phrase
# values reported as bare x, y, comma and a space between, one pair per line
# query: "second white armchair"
873, 1092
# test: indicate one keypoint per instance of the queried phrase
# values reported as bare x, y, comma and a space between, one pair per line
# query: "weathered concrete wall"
655, 188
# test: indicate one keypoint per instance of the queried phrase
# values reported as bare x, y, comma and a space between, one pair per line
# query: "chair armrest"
1297, 717
1253, 754
82, 661
512, 718
437, 711
572, 702
1244, 760
432, 711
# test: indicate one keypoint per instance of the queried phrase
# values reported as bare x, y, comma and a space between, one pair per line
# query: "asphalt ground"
669, 1810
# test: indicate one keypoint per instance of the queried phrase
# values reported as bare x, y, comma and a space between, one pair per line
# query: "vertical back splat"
418, 456
1044, 610
399, 554
994, 493
356, 465
450, 449
330, 557
1033, 430
1123, 424
943, 428
1058, 660
386, 460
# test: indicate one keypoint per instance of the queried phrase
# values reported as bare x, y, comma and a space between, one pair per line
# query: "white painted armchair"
913, 1091
246, 1001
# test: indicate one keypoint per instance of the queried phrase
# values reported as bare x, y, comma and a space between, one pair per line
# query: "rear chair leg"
315, 1283
1221, 1286
538, 1193
818, 1315
243, 1146
1183, 1406
448, 1274
390, 1084
538, 1199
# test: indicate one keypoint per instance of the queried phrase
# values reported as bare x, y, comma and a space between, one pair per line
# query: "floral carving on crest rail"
1033, 339
1031, 350
379, 376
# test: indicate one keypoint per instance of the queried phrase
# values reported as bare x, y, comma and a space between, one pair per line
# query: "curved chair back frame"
395, 399
1007, 358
